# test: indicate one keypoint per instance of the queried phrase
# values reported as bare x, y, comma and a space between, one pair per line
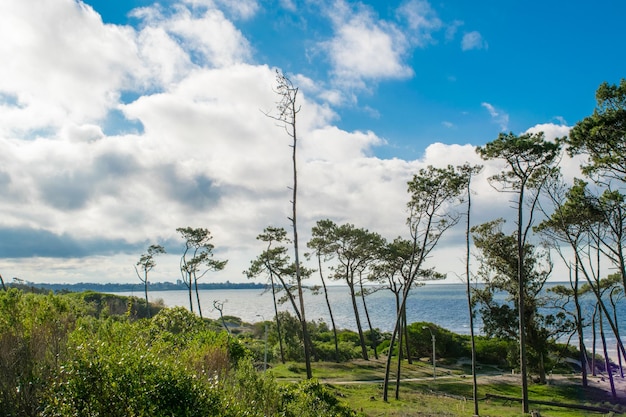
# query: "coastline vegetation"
98, 354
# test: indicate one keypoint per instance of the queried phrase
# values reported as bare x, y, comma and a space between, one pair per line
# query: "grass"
359, 384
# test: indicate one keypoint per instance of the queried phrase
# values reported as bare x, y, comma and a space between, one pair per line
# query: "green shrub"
33, 334
494, 351
115, 369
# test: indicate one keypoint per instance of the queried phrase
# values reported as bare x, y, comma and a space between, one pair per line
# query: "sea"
442, 304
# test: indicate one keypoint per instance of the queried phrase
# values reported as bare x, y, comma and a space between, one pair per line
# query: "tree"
197, 259
274, 263
287, 116
468, 172
498, 270
355, 249
572, 215
530, 163
602, 138
147, 263
431, 192
581, 220
324, 247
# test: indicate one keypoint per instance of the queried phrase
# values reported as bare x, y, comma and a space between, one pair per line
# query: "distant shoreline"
157, 286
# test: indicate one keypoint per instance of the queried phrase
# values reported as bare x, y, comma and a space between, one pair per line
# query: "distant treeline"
127, 287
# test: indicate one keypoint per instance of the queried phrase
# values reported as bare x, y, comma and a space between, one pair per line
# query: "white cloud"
68, 65
207, 33
422, 21
498, 116
473, 40
366, 48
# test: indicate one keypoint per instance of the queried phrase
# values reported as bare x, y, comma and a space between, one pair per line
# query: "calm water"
442, 304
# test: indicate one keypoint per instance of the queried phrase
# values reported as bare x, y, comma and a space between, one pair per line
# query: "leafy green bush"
33, 333
494, 351
116, 369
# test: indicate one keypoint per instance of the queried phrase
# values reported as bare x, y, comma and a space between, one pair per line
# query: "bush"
116, 370
33, 334
494, 351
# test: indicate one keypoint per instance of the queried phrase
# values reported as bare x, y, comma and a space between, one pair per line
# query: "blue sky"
123, 120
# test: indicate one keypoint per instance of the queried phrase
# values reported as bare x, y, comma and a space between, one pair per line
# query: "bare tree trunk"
593, 349
406, 337
358, 323
521, 279
367, 317
330, 310
278, 329
607, 361
195, 281
390, 352
468, 292
399, 368
145, 290
584, 362
2, 281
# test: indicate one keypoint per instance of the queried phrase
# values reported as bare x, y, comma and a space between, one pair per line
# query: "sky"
121, 121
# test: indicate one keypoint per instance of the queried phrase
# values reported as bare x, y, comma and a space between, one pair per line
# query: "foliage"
448, 345
601, 136
33, 332
115, 369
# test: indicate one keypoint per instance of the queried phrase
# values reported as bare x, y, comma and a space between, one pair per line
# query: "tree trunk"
190, 297
607, 361
593, 349
330, 310
584, 363
367, 317
468, 292
521, 300
145, 290
390, 352
195, 282
358, 322
399, 368
405, 329
278, 329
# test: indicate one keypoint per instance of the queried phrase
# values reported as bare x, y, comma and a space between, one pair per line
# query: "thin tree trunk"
278, 329
145, 290
390, 352
399, 368
405, 329
521, 281
469, 295
2, 281
330, 310
607, 361
195, 281
190, 297
358, 322
593, 349
619, 354
584, 362
367, 317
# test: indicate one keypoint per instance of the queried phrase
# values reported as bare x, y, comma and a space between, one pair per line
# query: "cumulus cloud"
473, 40
70, 65
365, 47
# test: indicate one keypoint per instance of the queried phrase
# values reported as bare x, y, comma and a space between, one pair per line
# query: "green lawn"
359, 384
